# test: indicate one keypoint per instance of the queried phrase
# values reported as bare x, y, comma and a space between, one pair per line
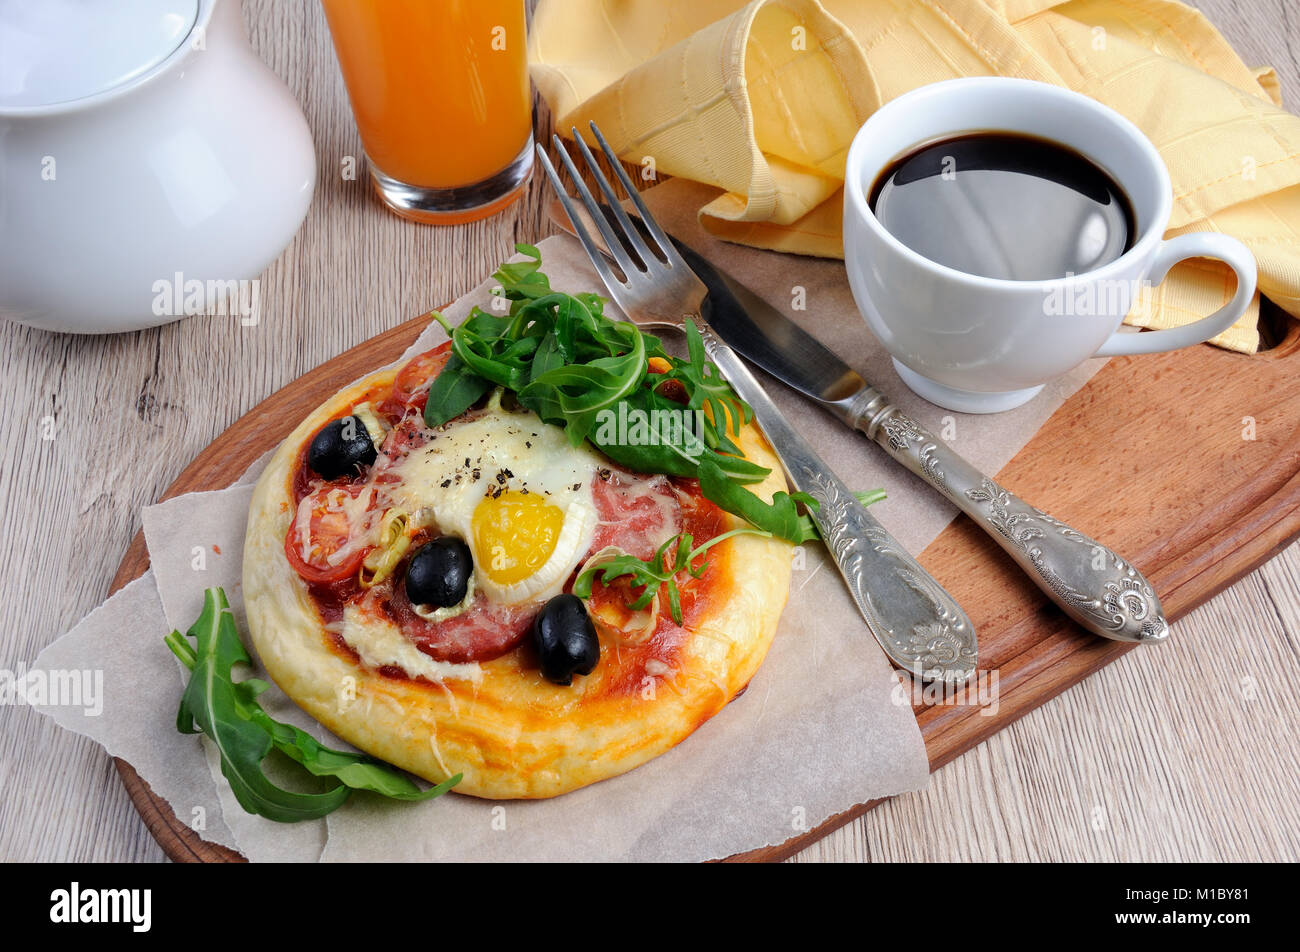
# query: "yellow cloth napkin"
763, 99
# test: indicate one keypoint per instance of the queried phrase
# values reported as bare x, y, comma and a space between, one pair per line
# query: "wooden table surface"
1129, 765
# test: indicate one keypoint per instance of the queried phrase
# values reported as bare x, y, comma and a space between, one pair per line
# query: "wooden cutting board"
1187, 463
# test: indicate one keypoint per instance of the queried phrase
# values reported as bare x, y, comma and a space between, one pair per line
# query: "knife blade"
1104, 593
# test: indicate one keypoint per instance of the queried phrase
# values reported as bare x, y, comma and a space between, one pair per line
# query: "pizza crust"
511, 733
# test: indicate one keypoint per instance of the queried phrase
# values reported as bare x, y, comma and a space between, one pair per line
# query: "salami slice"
637, 513
482, 632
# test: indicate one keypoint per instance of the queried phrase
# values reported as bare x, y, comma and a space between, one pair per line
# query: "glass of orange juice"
440, 92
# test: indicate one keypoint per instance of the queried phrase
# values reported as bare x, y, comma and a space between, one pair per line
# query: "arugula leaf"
227, 711
582, 391
356, 771
522, 278
780, 517
453, 392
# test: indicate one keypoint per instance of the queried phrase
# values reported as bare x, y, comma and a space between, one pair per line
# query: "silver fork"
918, 624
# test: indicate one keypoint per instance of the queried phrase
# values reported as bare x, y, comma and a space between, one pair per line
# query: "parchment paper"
819, 730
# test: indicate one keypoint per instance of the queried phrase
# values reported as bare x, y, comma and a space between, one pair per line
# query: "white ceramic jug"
149, 163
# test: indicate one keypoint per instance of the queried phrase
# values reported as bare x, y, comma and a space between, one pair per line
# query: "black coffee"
1004, 205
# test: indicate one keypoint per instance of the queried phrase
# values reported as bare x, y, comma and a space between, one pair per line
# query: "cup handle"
1205, 244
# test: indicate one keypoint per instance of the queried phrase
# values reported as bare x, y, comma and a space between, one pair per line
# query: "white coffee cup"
981, 345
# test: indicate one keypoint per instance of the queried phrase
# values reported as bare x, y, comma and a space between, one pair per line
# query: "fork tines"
627, 245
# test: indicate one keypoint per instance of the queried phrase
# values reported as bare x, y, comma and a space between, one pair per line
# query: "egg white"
442, 483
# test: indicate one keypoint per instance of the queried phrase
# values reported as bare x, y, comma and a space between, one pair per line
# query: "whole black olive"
565, 639
438, 574
341, 448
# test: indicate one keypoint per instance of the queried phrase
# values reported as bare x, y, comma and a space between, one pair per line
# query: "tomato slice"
411, 386
328, 532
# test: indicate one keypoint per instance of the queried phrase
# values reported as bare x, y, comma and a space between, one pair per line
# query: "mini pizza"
412, 586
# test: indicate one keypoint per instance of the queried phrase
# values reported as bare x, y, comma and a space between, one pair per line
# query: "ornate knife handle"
920, 626
1102, 592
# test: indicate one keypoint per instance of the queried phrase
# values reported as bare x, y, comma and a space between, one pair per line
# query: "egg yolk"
514, 535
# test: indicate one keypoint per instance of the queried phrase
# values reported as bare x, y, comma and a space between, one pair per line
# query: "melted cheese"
363, 522
381, 644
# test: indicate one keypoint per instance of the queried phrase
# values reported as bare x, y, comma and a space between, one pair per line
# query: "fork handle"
1105, 594
919, 625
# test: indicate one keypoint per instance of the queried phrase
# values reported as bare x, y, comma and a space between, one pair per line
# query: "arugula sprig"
228, 712
657, 571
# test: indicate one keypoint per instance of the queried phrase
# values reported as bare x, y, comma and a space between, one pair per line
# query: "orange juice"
440, 92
